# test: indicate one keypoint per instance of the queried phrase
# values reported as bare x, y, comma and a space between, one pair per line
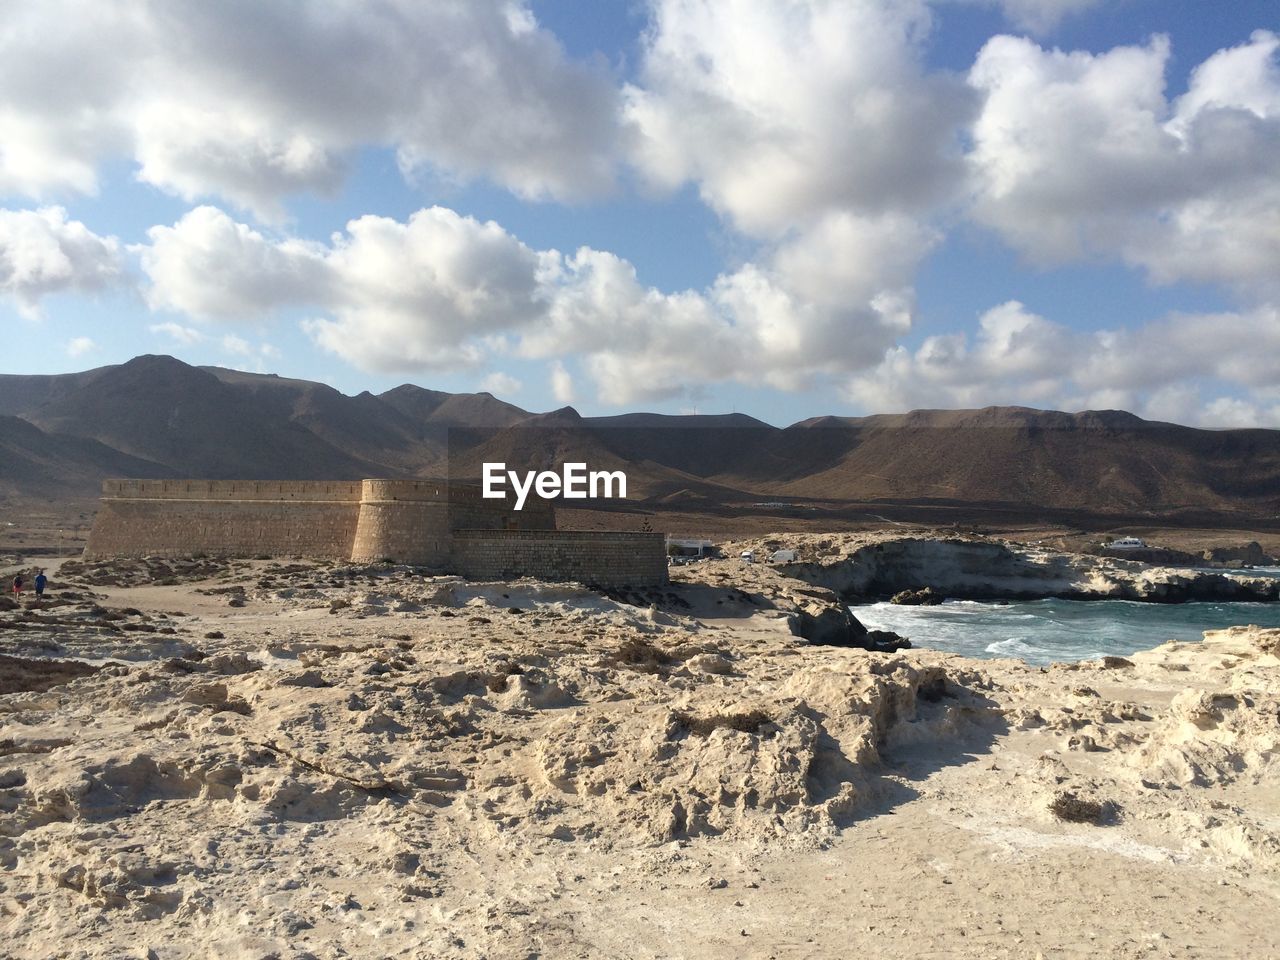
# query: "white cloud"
425, 294
799, 313
561, 383
184, 335
237, 345
79, 346
501, 384
395, 296
1215, 370
783, 112
1041, 16
242, 348
44, 253
443, 290
207, 265
195, 153
1080, 155
250, 101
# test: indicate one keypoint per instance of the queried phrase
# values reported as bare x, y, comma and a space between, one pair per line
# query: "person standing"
41, 582
17, 586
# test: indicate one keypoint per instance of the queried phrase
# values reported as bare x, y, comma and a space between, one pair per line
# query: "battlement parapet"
322, 490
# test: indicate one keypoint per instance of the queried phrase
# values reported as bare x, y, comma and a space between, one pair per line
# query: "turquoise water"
1048, 631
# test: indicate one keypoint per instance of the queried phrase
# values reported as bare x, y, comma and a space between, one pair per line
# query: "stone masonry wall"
596, 558
226, 528
482, 515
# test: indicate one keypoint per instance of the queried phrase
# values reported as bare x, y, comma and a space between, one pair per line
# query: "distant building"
677, 547
1127, 543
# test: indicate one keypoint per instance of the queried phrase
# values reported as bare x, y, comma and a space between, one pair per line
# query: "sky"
786, 208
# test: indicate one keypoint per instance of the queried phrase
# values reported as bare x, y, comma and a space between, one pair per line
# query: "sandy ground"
292, 761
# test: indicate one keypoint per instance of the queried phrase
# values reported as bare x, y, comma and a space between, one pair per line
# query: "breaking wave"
1049, 631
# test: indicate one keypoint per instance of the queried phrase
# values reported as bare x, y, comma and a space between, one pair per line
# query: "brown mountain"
452, 409
1098, 461
156, 415
47, 466
162, 410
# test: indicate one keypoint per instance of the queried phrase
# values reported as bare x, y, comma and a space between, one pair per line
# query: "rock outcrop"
816, 613
881, 565
1250, 554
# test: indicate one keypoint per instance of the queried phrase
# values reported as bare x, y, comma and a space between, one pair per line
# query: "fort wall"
597, 558
420, 522
220, 527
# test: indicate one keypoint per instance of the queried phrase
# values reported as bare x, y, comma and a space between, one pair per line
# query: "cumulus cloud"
398, 296
209, 266
1080, 155
250, 101
442, 290
1216, 370
796, 314
425, 294
44, 253
782, 112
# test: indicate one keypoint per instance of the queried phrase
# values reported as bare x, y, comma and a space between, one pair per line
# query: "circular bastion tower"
403, 520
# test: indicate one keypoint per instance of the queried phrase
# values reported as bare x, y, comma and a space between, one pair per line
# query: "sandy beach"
303, 760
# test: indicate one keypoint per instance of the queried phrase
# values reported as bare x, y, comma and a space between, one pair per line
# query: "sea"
1055, 631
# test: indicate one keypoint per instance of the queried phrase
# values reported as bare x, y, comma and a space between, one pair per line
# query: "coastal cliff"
880, 565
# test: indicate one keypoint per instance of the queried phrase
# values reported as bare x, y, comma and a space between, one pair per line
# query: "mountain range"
156, 416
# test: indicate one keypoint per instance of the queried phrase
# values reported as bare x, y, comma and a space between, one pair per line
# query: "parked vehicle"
782, 556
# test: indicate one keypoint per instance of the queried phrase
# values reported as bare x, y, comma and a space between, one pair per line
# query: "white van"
782, 556
747, 556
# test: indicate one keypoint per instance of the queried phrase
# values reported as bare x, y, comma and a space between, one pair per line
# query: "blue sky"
782, 208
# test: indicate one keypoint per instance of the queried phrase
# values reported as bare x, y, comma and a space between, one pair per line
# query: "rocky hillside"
36, 463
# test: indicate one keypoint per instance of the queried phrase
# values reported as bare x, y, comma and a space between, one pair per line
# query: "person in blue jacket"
41, 582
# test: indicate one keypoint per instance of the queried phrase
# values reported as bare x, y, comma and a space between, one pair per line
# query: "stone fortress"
445, 527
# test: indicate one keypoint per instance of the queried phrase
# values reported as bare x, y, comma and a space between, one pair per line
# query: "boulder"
926, 597
836, 626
